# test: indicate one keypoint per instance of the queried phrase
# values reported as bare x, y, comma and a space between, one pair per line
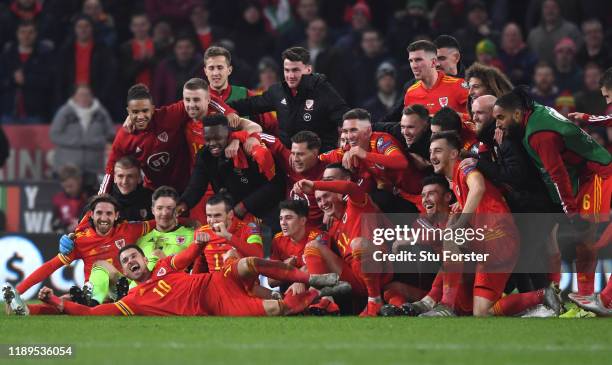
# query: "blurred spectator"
553, 27
589, 99
104, 24
295, 32
361, 68
568, 76
449, 55
386, 93
174, 11
405, 25
565, 103
486, 54
25, 78
268, 71
277, 14
515, 56
250, 36
172, 72
138, 55
69, 203
360, 17
478, 27
80, 130
25, 10
163, 39
544, 90
447, 16
83, 61
206, 33
316, 43
593, 49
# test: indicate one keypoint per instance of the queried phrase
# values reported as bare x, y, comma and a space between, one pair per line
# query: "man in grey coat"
80, 130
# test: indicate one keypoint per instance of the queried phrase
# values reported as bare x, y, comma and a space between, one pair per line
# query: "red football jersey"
161, 148
283, 247
447, 91
246, 239
492, 201
281, 156
167, 292
353, 223
374, 174
91, 247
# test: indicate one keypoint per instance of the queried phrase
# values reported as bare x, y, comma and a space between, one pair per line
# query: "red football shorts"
225, 296
594, 198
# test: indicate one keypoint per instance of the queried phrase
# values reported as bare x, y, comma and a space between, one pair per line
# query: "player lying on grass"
99, 237
482, 206
169, 290
353, 245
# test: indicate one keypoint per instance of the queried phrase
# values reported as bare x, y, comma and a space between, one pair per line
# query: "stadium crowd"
294, 129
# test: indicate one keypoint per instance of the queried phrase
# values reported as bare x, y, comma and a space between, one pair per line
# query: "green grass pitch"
314, 340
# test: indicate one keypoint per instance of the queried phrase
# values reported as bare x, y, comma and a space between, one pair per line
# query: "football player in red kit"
301, 162
433, 88
158, 141
377, 158
481, 206
243, 235
97, 238
352, 233
168, 290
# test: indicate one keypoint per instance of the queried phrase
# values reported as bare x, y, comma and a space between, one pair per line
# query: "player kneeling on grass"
435, 199
169, 290
481, 206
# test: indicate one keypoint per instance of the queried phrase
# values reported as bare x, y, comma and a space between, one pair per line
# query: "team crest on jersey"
161, 272
307, 117
309, 104
284, 101
158, 161
120, 243
143, 213
443, 101
381, 145
163, 136
180, 239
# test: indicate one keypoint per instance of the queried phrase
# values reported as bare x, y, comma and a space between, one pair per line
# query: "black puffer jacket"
316, 107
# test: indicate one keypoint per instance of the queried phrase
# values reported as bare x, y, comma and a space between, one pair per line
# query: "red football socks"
277, 270
517, 303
